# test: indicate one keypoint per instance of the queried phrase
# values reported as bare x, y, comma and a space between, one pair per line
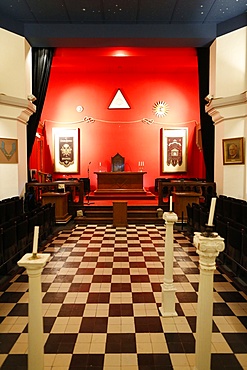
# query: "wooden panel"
120, 214
120, 182
61, 205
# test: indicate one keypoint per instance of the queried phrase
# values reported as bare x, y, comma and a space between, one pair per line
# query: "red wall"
91, 77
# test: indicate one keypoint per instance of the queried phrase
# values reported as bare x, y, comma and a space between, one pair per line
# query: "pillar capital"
208, 249
170, 217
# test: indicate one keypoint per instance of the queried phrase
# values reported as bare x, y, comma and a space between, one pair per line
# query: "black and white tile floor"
101, 294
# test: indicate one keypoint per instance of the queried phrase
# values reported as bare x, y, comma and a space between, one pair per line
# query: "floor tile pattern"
101, 296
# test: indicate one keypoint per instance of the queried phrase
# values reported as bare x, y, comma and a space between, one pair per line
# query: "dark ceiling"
78, 23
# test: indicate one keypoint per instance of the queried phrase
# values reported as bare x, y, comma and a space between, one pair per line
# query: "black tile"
222, 309
79, 287
94, 325
121, 343
224, 362
98, 298
85, 271
63, 279
11, 297
139, 279
48, 323
71, 309
101, 279
232, 296
18, 362
54, 298
60, 343
143, 297
7, 340
154, 362
120, 287
190, 271
123, 309
186, 297
180, 279
219, 278
20, 309
237, 341
148, 325
120, 271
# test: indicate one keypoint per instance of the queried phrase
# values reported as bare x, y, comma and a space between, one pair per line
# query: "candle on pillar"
35, 239
170, 203
211, 212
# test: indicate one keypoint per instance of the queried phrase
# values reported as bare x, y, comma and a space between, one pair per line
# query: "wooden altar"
120, 182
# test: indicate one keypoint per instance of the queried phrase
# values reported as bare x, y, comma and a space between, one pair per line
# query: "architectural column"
14, 115
34, 265
168, 291
208, 249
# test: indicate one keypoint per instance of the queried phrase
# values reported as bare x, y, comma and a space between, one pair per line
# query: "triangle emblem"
119, 101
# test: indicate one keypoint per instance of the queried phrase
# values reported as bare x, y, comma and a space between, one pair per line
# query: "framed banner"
8, 150
174, 150
233, 151
66, 150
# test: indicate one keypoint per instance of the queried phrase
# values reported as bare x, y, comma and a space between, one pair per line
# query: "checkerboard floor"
101, 297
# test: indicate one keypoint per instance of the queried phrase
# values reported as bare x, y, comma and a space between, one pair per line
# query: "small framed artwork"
174, 150
8, 150
66, 150
233, 150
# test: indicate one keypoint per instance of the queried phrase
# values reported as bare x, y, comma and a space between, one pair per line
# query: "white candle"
211, 212
171, 203
35, 239
139, 163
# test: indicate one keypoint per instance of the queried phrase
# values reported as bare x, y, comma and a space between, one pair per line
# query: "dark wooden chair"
117, 163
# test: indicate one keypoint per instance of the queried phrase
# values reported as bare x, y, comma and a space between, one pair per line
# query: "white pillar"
34, 267
208, 249
168, 291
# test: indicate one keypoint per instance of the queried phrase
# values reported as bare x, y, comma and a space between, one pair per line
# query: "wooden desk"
181, 200
120, 182
61, 205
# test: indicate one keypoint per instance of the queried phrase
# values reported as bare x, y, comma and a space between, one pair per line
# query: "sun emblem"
160, 108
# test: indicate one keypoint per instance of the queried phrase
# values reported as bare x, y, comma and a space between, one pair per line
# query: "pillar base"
168, 301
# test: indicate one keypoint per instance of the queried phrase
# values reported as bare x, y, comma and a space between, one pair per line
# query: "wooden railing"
76, 189
166, 188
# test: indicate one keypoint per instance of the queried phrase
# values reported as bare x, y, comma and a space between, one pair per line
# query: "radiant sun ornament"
160, 108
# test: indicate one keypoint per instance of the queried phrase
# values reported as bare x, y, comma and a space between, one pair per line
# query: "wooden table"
120, 182
61, 205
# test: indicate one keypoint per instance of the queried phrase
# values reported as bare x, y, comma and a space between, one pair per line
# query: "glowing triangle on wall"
119, 102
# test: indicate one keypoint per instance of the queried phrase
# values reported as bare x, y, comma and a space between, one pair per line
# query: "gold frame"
66, 161
8, 151
174, 160
237, 145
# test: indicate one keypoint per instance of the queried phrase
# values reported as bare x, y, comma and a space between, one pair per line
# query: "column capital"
170, 217
208, 249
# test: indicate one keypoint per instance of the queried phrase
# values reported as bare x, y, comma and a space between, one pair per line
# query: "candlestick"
211, 212
35, 239
170, 203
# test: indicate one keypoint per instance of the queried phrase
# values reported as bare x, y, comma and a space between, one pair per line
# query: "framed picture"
174, 150
233, 151
66, 150
8, 150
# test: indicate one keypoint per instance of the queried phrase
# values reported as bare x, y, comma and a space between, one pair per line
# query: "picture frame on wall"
66, 150
8, 151
233, 151
174, 150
